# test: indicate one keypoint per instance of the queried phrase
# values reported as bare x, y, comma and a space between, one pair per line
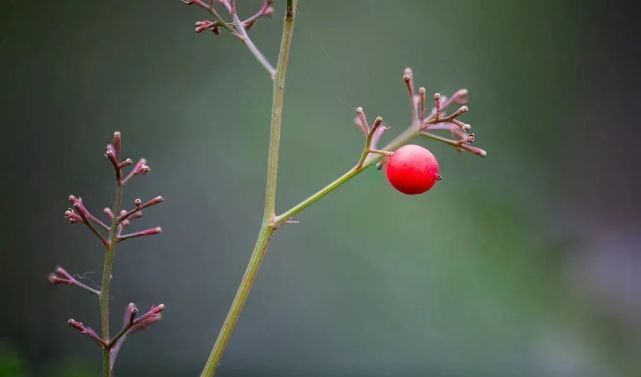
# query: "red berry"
412, 169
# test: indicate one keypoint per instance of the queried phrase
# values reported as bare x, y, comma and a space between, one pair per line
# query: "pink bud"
117, 143
76, 325
108, 212
53, 279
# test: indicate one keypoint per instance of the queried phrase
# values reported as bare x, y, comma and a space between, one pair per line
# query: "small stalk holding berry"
110, 234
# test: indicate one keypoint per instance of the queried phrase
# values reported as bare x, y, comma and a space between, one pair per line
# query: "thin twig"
244, 37
455, 143
84, 214
142, 233
132, 311
378, 122
88, 331
61, 276
139, 206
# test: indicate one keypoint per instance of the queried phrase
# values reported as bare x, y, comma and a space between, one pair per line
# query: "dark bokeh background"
524, 263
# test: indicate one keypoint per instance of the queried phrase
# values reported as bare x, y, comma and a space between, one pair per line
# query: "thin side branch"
142, 233
139, 206
244, 37
378, 122
436, 121
88, 331
62, 277
85, 217
237, 27
130, 316
459, 144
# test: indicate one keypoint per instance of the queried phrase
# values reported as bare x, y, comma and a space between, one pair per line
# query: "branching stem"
270, 221
401, 139
267, 227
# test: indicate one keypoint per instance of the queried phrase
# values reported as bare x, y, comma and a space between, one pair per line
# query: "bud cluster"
438, 120
266, 10
110, 233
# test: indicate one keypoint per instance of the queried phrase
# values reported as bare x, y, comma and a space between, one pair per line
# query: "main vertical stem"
240, 299
110, 251
267, 227
277, 111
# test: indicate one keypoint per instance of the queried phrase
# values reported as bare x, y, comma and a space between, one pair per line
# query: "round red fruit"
412, 169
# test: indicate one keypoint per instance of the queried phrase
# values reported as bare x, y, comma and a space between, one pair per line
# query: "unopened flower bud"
53, 279
131, 312
460, 96
145, 169
117, 143
156, 200
108, 212
109, 151
76, 324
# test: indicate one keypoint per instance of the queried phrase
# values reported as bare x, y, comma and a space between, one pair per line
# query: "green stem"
260, 249
401, 139
110, 252
277, 111
267, 227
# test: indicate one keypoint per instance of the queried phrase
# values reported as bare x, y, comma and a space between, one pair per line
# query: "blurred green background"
524, 263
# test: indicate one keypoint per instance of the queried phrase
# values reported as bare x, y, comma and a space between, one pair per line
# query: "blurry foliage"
11, 365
